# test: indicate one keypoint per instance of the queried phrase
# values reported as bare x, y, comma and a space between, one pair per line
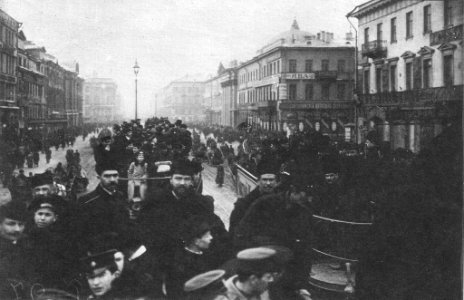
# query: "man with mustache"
267, 182
165, 211
103, 209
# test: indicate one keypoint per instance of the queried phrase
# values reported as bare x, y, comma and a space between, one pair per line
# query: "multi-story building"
100, 101
9, 110
182, 99
411, 68
72, 88
299, 81
219, 99
32, 83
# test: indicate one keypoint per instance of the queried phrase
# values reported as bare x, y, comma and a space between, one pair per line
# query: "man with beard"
267, 182
162, 217
102, 210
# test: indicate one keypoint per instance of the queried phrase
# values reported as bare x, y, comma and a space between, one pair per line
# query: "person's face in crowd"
11, 229
119, 260
196, 178
299, 197
261, 284
101, 280
15, 174
44, 217
140, 158
42, 190
181, 184
267, 183
331, 178
135, 149
106, 141
204, 241
109, 179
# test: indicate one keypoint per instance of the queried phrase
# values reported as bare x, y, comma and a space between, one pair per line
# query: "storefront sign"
309, 105
298, 76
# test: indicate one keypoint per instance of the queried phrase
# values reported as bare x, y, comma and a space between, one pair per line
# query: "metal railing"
374, 49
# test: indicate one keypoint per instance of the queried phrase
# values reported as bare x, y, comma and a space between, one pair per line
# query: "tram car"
335, 253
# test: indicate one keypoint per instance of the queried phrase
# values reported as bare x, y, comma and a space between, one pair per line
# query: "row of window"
427, 23
185, 90
308, 65
268, 69
425, 75
7, 64
324, 91
7, 91
293, 67
268, 94
34, 112
7, 36
31, 89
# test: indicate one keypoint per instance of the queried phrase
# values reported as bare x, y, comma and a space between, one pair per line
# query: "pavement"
224, 196
87, 160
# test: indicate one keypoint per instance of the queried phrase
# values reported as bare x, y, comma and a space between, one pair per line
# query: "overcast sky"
169, 38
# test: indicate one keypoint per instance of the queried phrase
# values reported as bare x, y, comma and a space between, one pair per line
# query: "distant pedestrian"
217, 160
36, 157
30, 160
48, 155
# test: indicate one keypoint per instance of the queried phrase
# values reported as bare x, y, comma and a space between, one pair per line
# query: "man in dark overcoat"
161, 218
103, 209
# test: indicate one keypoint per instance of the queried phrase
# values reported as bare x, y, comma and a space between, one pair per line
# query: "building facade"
182, 99
72, 89
32, 83
299, 81
100, 101
9, 110
410, 68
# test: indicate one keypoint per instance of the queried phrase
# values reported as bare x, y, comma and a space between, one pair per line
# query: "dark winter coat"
241, 207
99, 212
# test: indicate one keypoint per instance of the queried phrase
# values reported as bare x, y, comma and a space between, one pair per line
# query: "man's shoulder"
248, 198
90, 197
206, 200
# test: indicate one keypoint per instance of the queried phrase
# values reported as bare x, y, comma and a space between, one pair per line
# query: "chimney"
323, 36
318, 35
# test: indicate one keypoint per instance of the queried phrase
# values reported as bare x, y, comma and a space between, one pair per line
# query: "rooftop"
300, 38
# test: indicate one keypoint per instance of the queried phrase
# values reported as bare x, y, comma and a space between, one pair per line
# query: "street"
224, 196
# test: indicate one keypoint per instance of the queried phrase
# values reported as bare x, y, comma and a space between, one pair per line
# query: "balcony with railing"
375, 49
446, 35
425, 97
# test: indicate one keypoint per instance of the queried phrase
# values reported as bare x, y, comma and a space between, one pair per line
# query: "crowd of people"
148, 232
20, 150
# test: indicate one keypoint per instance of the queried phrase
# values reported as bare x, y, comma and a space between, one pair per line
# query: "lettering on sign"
314, 106
299, 76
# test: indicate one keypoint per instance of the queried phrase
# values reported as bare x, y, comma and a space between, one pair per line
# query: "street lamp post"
356, 88
136, 71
